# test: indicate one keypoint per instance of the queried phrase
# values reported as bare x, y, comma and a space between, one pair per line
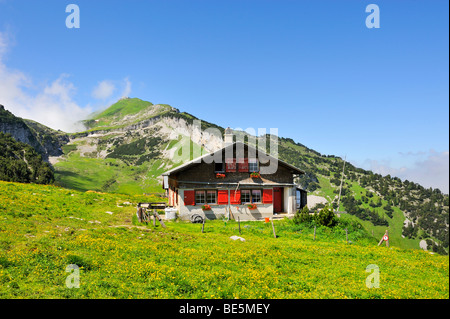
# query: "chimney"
228, 137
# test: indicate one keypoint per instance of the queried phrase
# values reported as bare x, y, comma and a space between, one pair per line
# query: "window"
199, 197
298, 197
256, 196
205, 197
253, 165
245, 196
218, 168
251, 196
230, 165
243, 164
211, 197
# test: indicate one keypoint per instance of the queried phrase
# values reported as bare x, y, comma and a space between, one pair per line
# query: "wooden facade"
218, 185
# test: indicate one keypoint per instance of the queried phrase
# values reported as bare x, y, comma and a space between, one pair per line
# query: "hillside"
134, 141
43, 139
19, 162
411, 211
127, 147
50, 228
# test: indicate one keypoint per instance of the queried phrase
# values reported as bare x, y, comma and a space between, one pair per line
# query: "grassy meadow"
395, 223
43, 229
108, 175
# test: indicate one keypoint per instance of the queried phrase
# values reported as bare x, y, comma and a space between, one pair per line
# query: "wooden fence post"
156, 215
239, 223
273, 229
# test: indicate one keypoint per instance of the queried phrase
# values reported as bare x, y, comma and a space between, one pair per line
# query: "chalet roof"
199, 160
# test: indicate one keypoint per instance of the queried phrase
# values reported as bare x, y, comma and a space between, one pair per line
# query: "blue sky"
312, 69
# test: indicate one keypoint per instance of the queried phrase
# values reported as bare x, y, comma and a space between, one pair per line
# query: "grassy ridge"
395, 223
116, 115
45, 228
124, 107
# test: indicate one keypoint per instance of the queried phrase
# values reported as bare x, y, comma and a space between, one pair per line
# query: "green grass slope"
108, 175
395, 223
44, 229
124, 107
132, 166
367, 196
124, 112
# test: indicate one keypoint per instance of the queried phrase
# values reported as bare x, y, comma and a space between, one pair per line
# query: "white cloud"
429, 169
127, 90
51, 104
123, 85
103, 90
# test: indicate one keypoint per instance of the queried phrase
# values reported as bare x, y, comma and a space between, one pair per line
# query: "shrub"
326, 217
302, 216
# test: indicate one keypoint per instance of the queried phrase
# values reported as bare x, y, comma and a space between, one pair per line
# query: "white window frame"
197, 202
246, 191
208, 192
260, 195
253, 165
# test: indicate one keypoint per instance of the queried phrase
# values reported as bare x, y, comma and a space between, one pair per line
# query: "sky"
378, 97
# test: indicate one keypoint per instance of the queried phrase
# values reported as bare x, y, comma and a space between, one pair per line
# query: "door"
277, 199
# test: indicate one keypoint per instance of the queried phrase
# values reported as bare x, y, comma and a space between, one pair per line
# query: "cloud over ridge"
52, 104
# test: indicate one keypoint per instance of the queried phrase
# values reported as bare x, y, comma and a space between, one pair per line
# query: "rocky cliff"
44, 140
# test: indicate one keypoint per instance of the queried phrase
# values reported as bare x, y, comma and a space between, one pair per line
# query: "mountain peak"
126, 111
124, 106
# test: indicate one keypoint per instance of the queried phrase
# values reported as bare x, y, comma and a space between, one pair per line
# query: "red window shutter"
267, 196
235, 197
230, 165
243, 167
222, 197
189, 198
